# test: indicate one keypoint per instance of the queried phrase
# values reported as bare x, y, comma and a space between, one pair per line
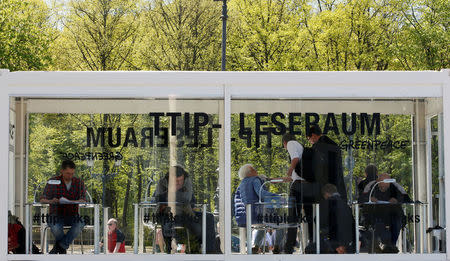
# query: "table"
415, 213
29, 223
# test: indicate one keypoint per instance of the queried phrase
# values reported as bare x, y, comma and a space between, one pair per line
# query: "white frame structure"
224, 86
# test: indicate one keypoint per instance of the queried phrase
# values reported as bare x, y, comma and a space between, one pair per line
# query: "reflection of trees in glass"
52, 135
273, 162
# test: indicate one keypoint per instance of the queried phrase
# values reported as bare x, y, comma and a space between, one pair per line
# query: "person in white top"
295, 150
301, 189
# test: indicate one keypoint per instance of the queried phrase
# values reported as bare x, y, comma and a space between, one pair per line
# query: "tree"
98, 35
25, 35
262, 35
425, 39
181, 35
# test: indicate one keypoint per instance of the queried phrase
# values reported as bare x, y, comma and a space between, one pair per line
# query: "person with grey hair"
116, 239
248, 193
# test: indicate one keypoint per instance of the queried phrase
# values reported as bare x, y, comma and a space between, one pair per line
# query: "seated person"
248, 193
183, 214
16, 236
385, 219
337, 226
66, 189
116, 239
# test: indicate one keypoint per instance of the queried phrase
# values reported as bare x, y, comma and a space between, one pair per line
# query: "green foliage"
98, 35
25, 35
180, 35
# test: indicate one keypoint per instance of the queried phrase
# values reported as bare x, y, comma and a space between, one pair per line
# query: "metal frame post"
248, 212
96, 229
204, 229
105, 229
136, 225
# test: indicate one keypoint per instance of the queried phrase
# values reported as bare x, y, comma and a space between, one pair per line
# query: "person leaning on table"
385, 215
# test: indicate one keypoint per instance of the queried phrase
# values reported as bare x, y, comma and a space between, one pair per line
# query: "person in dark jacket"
386, 217
337, 226
180, 212
326, 160
371, 173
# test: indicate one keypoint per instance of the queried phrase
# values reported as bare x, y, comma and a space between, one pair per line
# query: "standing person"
326, 160
302, 190
63, 193
116, 239
371, 173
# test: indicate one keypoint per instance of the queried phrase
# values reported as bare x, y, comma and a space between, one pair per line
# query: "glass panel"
343, 153
165, 160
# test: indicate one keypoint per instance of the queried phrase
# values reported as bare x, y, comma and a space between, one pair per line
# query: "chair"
47, 227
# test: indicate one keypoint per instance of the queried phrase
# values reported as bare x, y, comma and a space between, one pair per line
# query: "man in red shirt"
63, 193
116, 239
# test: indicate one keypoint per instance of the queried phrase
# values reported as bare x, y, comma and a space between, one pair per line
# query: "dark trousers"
389, 236
302, 196
194, 226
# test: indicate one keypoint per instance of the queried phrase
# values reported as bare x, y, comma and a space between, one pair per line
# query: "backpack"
304, 167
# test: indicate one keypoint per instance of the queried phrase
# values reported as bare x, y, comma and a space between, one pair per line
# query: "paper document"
63, 200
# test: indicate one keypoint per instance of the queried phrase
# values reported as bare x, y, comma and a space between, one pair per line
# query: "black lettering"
130, 133
396, 144
180, 140
309, 123
95, 139
173, 116
245, 133
146, 136
404, 143
377, 143
363, 144
364, 118
199, 123
209, 143
164, 137
110, 138
330, 124
118, 156
280, 126
259, 123
156, 121
293, 123
344, 124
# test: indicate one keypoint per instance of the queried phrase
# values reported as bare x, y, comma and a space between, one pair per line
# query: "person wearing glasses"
116, 239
